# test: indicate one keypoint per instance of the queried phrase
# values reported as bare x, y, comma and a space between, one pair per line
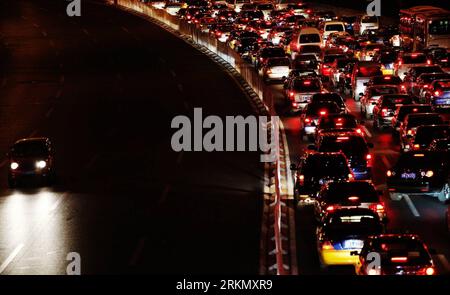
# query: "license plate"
408, 175
353, 244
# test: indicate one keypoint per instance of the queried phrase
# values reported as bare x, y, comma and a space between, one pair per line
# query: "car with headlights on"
420, 172
316, 169
400, 254
342, 232
30, 158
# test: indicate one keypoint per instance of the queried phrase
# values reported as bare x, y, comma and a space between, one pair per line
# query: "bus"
424, 26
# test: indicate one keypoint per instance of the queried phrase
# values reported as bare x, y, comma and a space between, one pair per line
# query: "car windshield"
330, 58
414, 59
421, 160
276, 62
29, 149
391, 100
353, 224
328, 97
320, 166
332, 122
362, 192
369, 71
322, 109
309, 38
405, 251
307, 85
346, 144
414, 121
335, 27
426, 134
383, 80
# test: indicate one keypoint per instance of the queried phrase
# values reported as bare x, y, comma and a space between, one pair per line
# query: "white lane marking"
411, 205
385, 161
367, 131
443, 260
49, 112
56, 204
137, 252
11, 257
290, 185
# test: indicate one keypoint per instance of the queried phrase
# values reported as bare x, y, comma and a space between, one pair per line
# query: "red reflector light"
369, 156
307, 83
387, 78
437, 93
399, 259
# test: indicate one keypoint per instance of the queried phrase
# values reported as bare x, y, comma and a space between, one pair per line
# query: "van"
368, 22
306, 36
332, 27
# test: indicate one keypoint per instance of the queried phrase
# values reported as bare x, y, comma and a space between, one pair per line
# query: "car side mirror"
293, 167
354, 253
312, 147
370, 145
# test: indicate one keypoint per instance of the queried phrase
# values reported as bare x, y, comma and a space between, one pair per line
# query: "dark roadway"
105, 87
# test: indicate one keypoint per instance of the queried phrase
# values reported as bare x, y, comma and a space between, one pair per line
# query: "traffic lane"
401, 218
98, 124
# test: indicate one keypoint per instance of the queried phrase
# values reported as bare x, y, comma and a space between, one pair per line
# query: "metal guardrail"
251, 76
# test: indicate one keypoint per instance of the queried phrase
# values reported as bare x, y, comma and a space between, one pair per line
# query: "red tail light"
400, 62
291, 93
429, 271
428, 62
307, 120
323, 113
359, 131
437, 93
378, 208
330, 208
426, 86
294, 104
369, 160
301, 179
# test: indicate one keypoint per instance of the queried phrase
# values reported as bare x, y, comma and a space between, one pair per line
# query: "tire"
444, 194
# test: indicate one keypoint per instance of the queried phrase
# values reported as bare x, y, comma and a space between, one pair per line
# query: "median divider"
275, 236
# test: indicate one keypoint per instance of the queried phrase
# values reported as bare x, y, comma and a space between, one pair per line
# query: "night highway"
97, 106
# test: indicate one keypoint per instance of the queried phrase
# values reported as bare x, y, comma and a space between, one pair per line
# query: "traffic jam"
338, 77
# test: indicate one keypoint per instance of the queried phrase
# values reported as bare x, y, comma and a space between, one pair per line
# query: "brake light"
399, 259
294, 104
416, 146
330, 209
291, 93
327, 246
307, 83
359, 131
323, 113
350, 176
301, 179
428, 62
353, 199
429, 271
410, 132
389, 173
444, 60
269, 71
403, 87
437, 93
387, 78
377, 208
414, 55
426, 86
400, 62
307, 120
218, 33
384, 112
347, 75
369, 160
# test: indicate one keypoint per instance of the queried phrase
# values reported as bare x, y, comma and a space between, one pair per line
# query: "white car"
276, 68
368, 22
306, 36
332, 27
409, 60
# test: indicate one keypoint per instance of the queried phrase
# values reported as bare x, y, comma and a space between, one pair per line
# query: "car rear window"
414, 59
421, 160
405, 250
319, 108
346, 144
310, 49
324, 165
307, 85
369, 19
337, 123
274, 62
309, 38
336, 27
391, 101
383, 80
426, 134
424, 120
369, 71
341, 192
272, 52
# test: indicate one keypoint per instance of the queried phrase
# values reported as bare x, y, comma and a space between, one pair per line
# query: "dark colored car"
352, 194
338, 123
317, 169
426, 134
30, 157
420, 172
330, 96
411, 122
384, 110
402, 111
311, 115
400, 254
355, 148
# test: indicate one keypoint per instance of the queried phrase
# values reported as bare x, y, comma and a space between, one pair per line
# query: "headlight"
14, 166
429, 173
41, 164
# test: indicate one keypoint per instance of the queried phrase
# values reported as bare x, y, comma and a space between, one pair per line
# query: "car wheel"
444, 194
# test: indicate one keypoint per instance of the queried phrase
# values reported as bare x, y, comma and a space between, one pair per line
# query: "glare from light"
41, 164
14, 165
